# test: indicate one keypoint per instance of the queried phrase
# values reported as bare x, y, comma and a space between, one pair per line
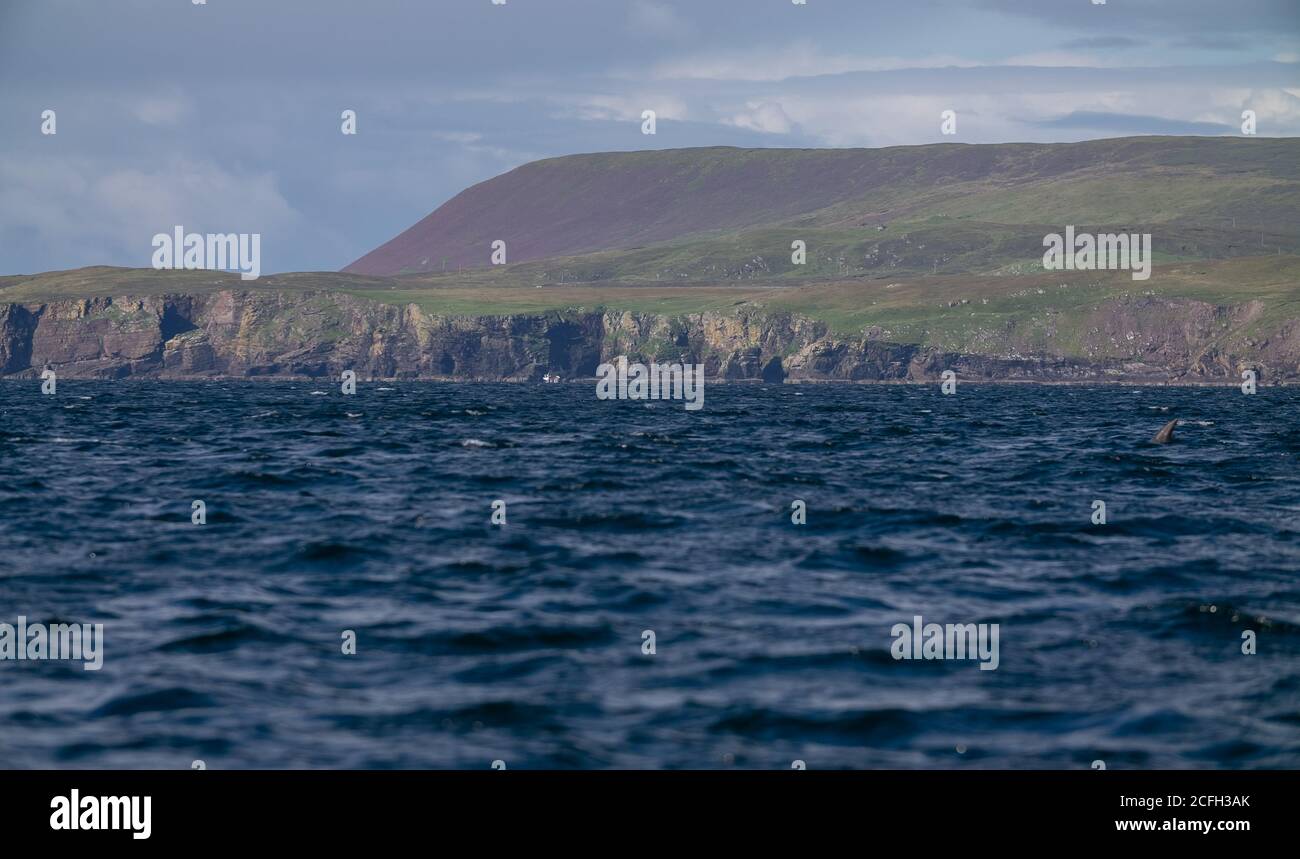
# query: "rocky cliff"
310, 334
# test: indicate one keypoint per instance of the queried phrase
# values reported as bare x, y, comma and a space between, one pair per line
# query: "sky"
225, 116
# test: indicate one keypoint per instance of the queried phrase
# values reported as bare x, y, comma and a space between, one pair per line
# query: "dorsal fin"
1166, 434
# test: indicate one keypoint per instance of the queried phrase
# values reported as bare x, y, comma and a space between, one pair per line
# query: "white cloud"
627, 107
1070, 59
461, 137
95, 212
768, 117
1278, 110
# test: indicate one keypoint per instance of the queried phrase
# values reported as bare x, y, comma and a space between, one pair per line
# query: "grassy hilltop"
731, 214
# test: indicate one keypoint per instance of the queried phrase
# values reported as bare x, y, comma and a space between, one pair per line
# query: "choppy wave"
475, 641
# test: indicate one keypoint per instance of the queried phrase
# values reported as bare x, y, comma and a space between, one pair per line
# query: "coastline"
32, 376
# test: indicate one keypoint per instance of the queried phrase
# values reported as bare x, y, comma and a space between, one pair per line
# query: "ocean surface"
523, 642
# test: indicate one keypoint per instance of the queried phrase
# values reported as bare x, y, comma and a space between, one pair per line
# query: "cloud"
449, 94
1213, 42
657, 19
996, 103
198, 194
1158, 16
1126, 124
94, 212
626, 108
462, 137
1103, 43
162, 109
1068, 59
800, 59
768, 117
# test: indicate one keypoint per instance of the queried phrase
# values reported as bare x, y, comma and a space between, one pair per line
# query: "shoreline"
744, 383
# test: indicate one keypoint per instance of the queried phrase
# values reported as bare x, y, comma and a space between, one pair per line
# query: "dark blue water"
1119, 642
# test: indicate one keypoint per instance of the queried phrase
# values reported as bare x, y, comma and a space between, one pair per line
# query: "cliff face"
311, 334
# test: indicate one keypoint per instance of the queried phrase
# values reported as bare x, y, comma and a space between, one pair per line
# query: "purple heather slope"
617, 200
585, 203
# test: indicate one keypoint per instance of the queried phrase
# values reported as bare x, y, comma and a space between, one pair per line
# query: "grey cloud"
1124, 124
1103, 43
1160, 17
1213, 43
159, 93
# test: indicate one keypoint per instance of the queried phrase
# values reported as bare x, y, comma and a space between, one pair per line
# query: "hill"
919, 259
707, 214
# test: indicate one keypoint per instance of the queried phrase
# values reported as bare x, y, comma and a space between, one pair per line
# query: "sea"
447, 575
